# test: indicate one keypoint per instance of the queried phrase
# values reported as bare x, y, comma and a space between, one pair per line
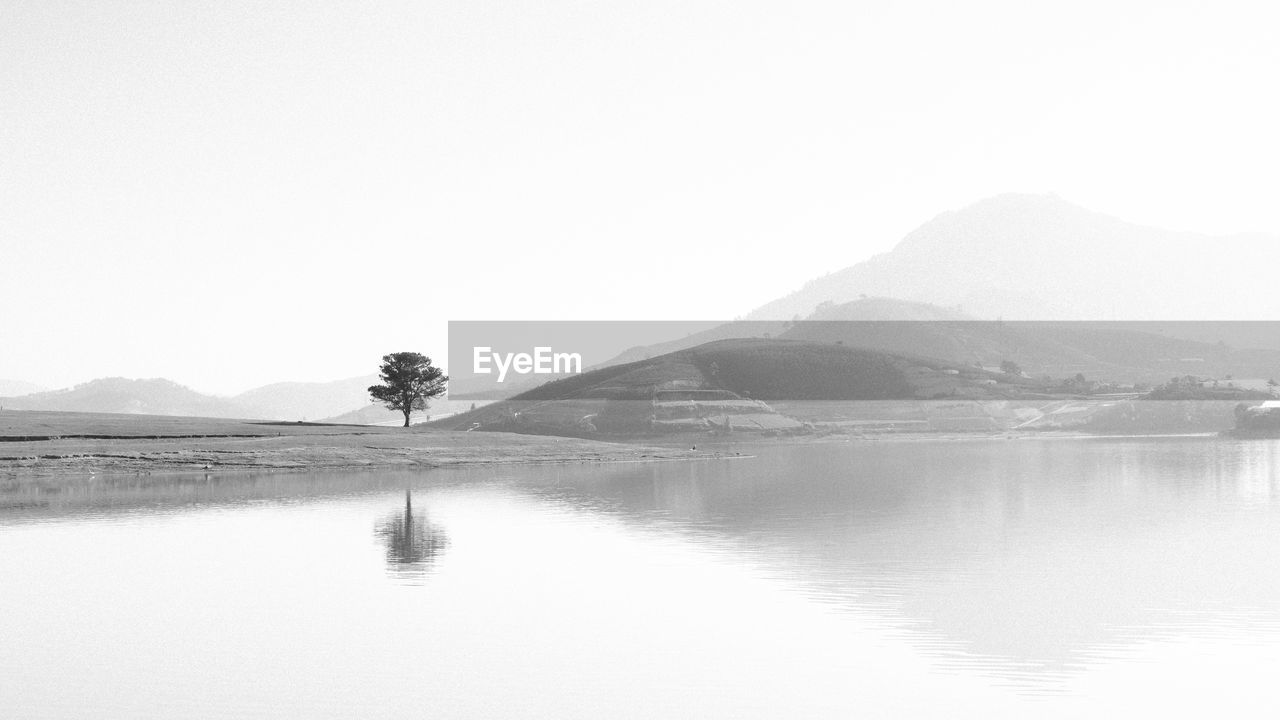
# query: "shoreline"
194, 458
50, 448
36, 473
938, 436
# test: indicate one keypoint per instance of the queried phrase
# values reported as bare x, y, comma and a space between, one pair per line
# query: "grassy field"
54, 445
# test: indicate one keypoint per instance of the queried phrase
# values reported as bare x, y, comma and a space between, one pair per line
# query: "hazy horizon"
232, 194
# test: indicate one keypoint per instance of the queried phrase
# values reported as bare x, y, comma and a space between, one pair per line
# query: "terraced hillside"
728, 386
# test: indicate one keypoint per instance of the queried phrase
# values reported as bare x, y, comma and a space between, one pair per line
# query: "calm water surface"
906, 579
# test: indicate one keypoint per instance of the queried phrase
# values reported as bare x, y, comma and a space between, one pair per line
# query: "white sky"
232, 193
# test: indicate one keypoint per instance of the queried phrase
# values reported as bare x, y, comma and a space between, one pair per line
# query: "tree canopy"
408, 381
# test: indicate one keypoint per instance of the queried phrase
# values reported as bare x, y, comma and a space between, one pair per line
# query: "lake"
921, 578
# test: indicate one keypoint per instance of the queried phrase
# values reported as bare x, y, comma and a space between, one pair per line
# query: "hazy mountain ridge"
1038, 257
155, 396
307, 400
344, 400
158, 396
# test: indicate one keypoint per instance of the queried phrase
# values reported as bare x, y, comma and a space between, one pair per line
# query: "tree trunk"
406, 416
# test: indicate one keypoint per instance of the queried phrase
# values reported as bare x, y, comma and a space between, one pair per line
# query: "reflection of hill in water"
412, 542
1016, 556
1032, 556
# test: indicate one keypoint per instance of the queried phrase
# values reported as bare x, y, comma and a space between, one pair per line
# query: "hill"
727, 385
136, 397
307, 400
1036, 257
288, 401
1124, 352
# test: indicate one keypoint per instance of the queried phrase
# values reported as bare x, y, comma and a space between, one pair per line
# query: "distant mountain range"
1011, 257
280, 401
140, 397
1038, 257
307, 400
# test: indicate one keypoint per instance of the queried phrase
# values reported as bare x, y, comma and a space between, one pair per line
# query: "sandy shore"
47, 445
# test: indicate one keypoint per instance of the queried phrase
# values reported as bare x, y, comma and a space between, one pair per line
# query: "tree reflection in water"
412, 542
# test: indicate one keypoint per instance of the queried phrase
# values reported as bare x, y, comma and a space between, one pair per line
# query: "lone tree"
409, 380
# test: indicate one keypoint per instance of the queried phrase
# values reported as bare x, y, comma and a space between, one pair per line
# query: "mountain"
139, 397
1038, 257
14, 388
306, 400
279, 401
